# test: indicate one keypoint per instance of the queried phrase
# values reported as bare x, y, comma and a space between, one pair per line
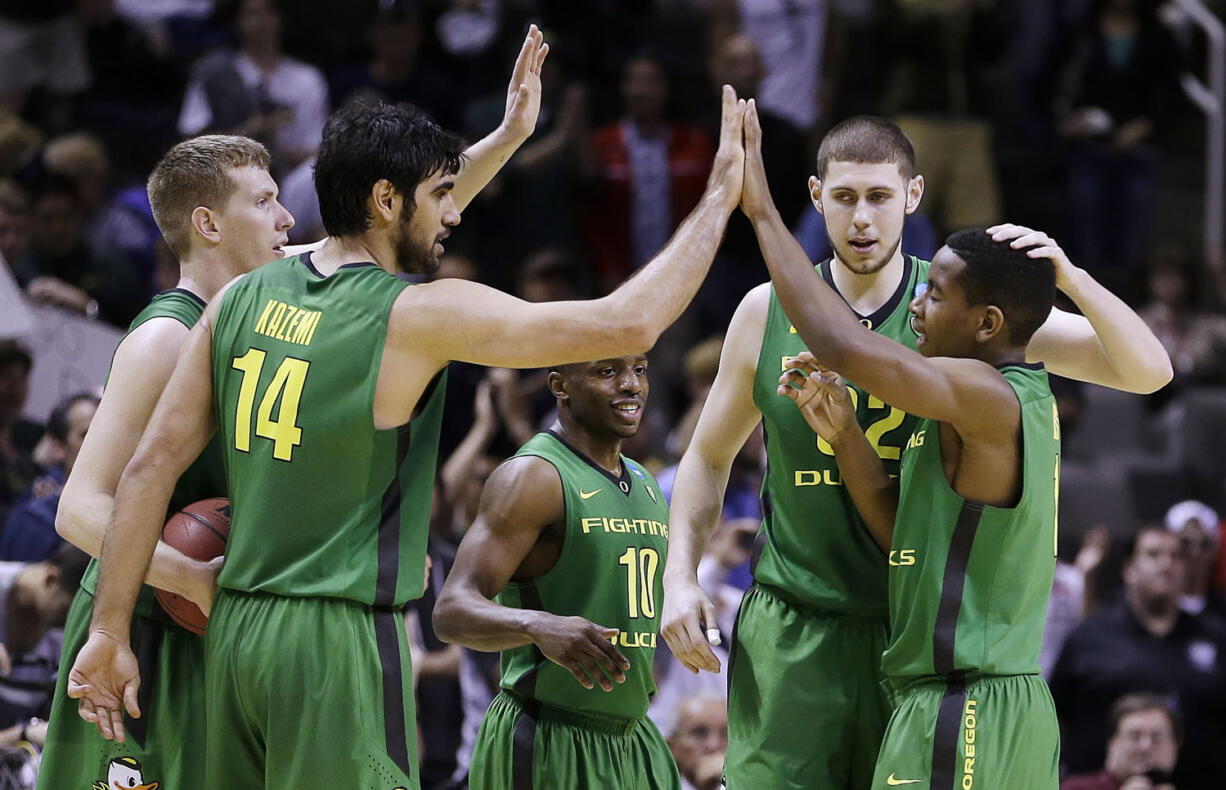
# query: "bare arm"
728, 418
522, 498
459, 465
1108, 345
472, 323
142, 366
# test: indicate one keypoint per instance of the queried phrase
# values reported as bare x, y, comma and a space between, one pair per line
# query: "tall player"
216, 206
805, 706
561, 572
322, 375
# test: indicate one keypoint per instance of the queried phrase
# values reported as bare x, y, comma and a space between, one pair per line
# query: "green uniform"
327, 539
805, 709
544, 730
968, 598
168, 739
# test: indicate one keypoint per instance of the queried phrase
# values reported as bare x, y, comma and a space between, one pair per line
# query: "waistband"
538, 711
901, 686
808, 609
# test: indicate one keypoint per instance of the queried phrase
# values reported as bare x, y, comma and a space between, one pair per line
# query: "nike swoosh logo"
892, 782
589, 494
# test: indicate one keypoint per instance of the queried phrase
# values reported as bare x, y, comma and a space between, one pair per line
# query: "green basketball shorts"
990, 732
308, 693
165, 745
558, 749
805, 705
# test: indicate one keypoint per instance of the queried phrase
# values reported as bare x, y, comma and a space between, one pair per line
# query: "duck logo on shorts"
124, 773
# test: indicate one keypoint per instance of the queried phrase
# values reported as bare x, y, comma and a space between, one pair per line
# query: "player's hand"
1040, 246
728, 169
524, 91
821, 395
105, 678
201, 583
756, 195
688, 625
582, 648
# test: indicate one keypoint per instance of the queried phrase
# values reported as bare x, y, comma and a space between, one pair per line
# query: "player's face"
941, 317
1143, 741
864, 206
420, 242
606, 397
254, 225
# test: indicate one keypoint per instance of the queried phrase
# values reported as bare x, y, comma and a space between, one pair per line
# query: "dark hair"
12, 352
869, 140
57, 422
1133, 543
366, 141
72, 563
1024, 288
1139, 703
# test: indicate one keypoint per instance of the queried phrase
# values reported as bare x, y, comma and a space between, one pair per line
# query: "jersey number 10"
641, 566
286, 386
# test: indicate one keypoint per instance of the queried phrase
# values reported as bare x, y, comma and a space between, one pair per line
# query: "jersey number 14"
286, 387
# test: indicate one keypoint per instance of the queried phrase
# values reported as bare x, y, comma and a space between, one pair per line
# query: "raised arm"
728, 418
105, 676
1108, 344
522, 499
484, 158
962, 392
473, 323
139, 372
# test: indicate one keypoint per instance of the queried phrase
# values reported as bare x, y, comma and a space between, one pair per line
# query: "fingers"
753, 128
699, 655
732, 118
526, 57
116, 724
540, 59
129, 699
708, 619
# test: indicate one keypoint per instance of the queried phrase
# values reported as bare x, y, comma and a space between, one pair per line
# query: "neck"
1003, 355
205, 273
603, 451
1157, 615
1196, 581
265, 58
340, 250
867, 293
24, 626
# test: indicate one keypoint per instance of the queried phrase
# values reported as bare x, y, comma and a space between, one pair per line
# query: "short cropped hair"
1139, 703
366, 141
71, 563
1024, 288
194, 173
866, 139
57, 421
13, 353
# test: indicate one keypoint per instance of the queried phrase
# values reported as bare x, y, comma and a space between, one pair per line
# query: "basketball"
200, 531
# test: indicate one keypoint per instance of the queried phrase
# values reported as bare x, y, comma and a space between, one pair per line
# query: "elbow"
1161, 374
444, 619
643, 337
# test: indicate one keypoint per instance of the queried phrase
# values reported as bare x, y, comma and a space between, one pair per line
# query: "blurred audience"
1142, 748
18, 436
1197, 526
699, 741
42, 59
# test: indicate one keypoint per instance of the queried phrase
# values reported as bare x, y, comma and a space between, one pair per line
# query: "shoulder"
525, 490
159, 336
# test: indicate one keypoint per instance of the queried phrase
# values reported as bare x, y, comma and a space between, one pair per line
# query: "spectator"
34, 600
1117, 89
14, 223
29, 531
1142, 749
17, 436
700, 740
1145, 644
258, 91
41, 50
1072, 593
1196, 524
652, 172
61, 269
1194, 339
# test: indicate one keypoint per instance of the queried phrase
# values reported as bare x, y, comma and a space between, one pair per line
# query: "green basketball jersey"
206, 477
610, 571
813, 544
322, 502
970, 584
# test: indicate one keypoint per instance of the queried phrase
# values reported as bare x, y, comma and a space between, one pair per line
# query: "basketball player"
216, 206
805, 707
561, 572
322, 374
971, 530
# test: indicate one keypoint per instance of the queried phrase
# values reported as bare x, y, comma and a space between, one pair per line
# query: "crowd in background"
1066, 115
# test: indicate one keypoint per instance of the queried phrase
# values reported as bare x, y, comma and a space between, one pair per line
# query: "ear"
383, 202
915, 193
815, 193
991, 325
204, 222
557, 385
51, 577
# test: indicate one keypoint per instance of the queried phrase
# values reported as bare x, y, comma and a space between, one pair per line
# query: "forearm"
483, 160
873, 491
820, 316
471, 620
698, 499
1131, 351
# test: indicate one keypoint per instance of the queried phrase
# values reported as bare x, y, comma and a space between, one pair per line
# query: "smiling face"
254, 226
864, 206
419, 242
606, 397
